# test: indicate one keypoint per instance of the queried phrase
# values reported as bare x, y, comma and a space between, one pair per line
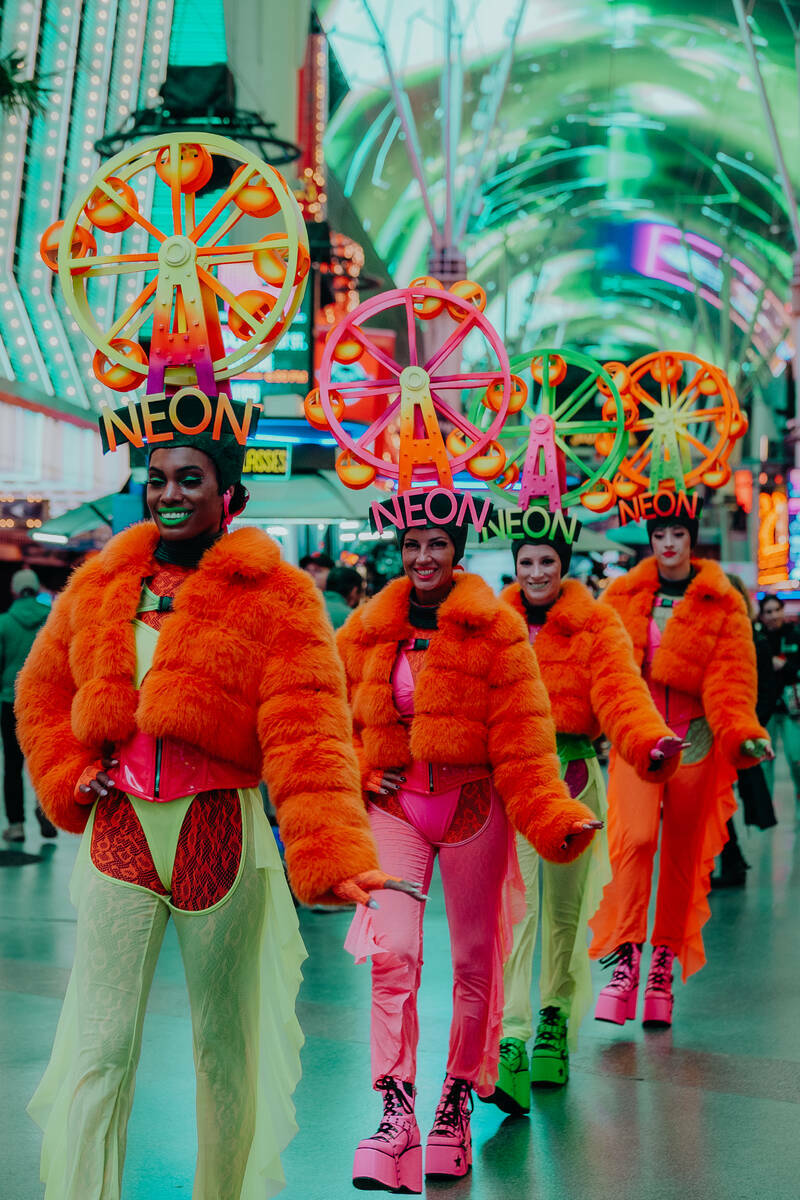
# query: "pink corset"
428, 777
677, 708
163, 769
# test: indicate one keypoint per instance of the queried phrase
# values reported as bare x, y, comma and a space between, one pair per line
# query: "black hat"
557, 542
534, 526
682, 518
213, 424
435, 508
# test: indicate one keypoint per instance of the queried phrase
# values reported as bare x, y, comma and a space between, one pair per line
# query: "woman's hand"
665, 747
758, 748
577, 828
357, 888
387, 782
98, 787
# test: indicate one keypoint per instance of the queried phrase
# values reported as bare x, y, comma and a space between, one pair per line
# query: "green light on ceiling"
198, 34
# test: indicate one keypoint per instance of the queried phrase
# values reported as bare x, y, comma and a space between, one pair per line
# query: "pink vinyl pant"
472, 875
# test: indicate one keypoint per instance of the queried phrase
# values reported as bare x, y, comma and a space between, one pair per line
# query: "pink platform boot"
658, 998
448, 1152
617, 1000
391, 1160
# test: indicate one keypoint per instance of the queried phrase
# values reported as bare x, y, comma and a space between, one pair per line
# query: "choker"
185, 553
536, 614
675, 587
422, 616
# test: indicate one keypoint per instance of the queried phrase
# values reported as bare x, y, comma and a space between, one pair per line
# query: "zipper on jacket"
430, 777
157, 783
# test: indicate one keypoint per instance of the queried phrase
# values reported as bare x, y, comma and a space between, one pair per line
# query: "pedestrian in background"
18, 628
344, 591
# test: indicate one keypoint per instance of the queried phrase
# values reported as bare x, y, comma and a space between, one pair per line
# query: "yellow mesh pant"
570, 894
242, 979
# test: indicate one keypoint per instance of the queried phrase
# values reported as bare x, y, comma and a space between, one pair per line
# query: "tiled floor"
709, 1110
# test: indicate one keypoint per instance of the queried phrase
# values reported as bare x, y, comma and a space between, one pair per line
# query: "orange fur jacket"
594, 685
478, 699
706, 649
245, 668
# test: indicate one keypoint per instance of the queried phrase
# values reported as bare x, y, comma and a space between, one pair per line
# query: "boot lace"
396, 1105
511, 1054
449, 1114
550, 1032
622, 961
660, 974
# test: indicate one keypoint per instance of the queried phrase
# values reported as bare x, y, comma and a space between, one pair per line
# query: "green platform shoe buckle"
550, 1057
513, 1091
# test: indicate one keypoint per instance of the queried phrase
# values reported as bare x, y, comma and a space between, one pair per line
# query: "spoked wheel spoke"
574, 401
587, 427
132, 212
470, 379
411, 329
707, 414
114, 264
232, 190
455, 339
225, 294
138, 305
367, 439
571, 454
457, 418
379, 355
367, 387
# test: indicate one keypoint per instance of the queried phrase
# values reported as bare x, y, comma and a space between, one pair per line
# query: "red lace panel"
474, 805
119, 847
209, 850
165, 582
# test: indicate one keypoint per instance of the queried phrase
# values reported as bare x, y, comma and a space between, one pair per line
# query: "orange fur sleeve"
730, 685
522, 749
45, 691
305, 734
621, 698
346, 652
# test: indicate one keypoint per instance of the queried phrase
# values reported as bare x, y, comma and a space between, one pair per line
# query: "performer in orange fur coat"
179, 667
453, 731
594, 686
692, 637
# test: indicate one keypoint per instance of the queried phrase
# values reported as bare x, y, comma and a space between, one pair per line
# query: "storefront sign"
267, 462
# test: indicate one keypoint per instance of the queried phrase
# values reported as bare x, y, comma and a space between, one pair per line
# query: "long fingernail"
103, 791
373, 904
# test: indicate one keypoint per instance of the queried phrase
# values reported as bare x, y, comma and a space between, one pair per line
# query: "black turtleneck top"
186, 552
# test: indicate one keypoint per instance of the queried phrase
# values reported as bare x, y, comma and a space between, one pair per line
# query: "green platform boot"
513, 1091
550, 1057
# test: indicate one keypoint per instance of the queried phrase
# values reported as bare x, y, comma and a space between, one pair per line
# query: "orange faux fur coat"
594, 685
478, 699
706, 649
245, 668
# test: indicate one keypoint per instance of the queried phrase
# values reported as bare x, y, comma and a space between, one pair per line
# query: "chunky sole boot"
658, 998
617, 1000
376, 1170
391, 1160
448, 1152
550, 1057
14, 833
512, 1093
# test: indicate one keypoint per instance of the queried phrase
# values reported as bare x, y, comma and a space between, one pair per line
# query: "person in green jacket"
344, 591
18, 628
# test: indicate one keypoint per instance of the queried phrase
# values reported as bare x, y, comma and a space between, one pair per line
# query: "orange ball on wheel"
466, 289
194, 166
256, 197
82, 245
114, 375
259, 305
353, 472
315, 413
427, 307
107, 215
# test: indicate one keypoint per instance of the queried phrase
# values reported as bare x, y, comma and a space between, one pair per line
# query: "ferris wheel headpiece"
181, 272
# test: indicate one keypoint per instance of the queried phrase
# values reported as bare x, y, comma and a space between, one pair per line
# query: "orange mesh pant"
692, 808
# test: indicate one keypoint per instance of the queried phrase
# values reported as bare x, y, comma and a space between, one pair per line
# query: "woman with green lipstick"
180, 667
